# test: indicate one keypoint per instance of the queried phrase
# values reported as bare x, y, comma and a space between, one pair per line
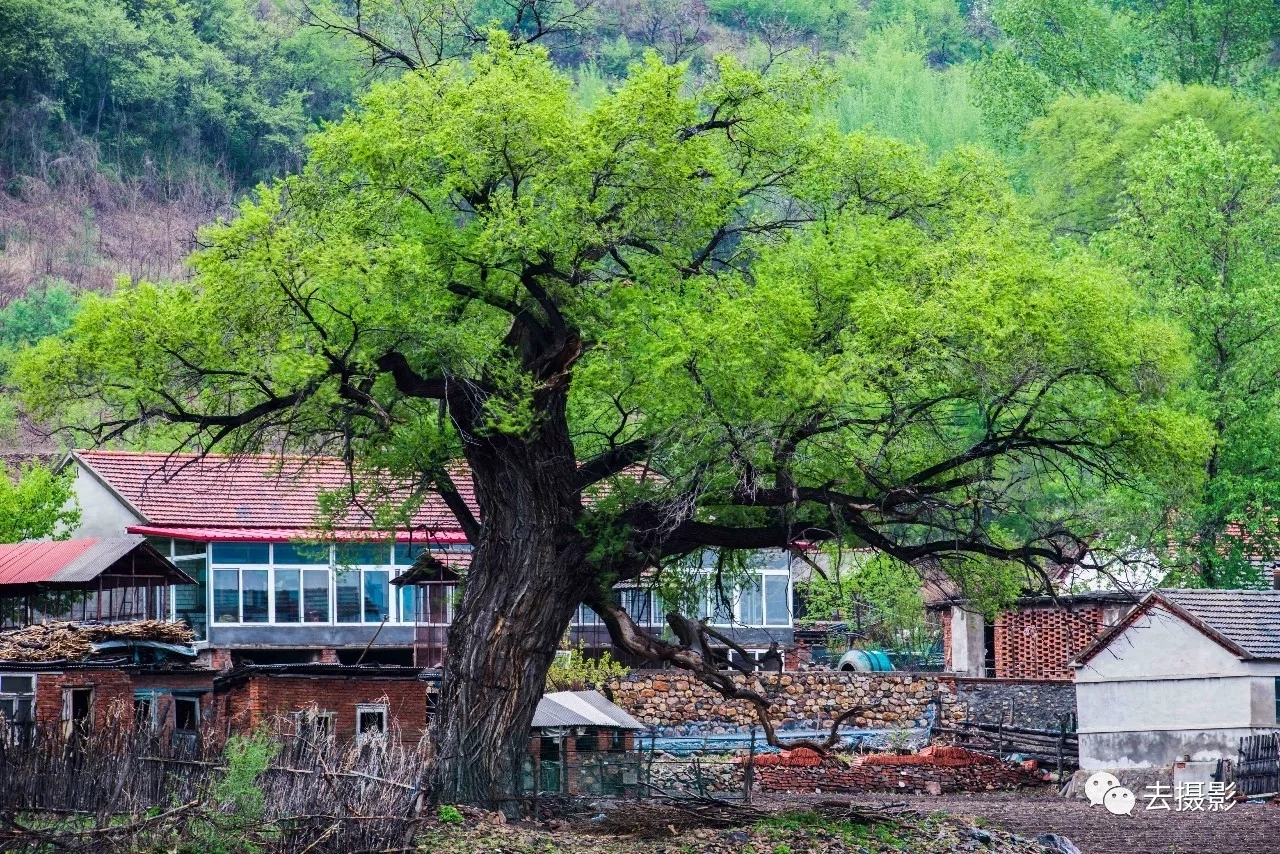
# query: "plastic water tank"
865, 661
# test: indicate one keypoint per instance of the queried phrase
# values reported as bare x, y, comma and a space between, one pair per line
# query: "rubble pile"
74, 641
934, 770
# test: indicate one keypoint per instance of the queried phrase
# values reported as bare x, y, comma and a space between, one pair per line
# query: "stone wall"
1036, 703
669, 699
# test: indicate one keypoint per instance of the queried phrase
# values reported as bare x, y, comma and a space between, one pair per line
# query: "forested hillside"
1141, 136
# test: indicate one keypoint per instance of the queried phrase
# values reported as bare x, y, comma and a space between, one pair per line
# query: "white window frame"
16, 697
363, 709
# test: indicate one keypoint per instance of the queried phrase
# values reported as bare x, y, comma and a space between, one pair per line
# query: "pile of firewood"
74, 641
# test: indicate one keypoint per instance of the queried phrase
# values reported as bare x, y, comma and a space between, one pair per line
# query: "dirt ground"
1244, 829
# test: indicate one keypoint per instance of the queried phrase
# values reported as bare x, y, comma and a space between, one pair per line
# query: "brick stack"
1039, 643
932, 771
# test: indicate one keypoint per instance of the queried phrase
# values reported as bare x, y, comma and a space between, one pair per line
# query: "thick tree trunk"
528, 574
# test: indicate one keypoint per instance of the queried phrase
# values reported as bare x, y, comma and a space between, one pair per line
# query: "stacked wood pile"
74, 641
1047, 746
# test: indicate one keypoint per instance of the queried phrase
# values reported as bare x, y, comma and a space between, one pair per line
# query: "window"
347, 595
313, 726
144, 711
305, 554
77, 711
226, 595
637, 605
585, 742
253, 584
377, 596
1277, 686
751, 603
259, 553
438, 604
186, 714
776, 595
17, 699
315, 595
371, 722
363, 554
288, 595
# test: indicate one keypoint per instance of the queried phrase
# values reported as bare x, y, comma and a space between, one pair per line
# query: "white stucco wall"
968, 654
102, 513
1163, 689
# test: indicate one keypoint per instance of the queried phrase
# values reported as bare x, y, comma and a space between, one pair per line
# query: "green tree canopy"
1197, 224
685, 317
35, 503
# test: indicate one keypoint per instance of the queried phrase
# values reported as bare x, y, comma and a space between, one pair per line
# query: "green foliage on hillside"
228, 87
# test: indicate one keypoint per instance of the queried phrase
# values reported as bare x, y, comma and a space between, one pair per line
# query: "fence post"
748, 773
1062, 744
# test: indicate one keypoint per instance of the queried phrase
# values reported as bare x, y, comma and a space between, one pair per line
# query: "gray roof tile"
1248, 618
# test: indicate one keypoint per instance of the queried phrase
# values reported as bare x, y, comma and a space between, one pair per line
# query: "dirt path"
1244, 829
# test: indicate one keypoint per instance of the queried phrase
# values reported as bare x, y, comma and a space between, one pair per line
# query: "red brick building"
1036, 639
339, 701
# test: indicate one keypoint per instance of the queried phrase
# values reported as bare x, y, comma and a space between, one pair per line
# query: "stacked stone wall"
669, 699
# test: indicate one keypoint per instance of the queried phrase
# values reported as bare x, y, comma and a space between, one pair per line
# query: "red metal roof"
78, 561
256, 497
288, 535
29, 563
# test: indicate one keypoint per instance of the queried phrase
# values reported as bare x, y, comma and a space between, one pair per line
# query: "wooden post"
1062, 744
748, 773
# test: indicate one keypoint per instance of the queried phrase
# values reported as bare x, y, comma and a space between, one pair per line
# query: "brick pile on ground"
74, 641
934, 770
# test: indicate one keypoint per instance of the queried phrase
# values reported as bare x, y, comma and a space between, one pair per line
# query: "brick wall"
112, 694
260, 698
1038, 643
946, 638
665, 698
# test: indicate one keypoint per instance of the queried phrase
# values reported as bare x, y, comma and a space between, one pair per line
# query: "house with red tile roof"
279, 583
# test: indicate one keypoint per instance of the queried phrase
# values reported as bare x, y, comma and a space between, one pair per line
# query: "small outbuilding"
583, 745
1187, 673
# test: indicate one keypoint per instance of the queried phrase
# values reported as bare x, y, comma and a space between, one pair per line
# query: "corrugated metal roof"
1248, 618
73, 561
217, 491
581, 708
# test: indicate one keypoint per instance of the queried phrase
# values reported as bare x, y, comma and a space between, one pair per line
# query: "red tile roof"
272, 496
79, 561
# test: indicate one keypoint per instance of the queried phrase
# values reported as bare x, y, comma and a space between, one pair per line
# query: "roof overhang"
296, 535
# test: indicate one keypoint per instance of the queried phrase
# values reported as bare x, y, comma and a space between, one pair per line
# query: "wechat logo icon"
1103, 788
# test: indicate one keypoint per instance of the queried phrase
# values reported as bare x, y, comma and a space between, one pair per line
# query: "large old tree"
686, 317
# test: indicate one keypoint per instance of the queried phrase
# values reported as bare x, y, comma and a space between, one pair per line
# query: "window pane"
776, 611
307, 554
288, 595
347, 588
241, 553
376, 596
439, 603
226, 595
188, 547
363, 554
406, 554
315, 595
636, 603
17, 684
751, 602
161, 544
189, 599
255, 595
408, 600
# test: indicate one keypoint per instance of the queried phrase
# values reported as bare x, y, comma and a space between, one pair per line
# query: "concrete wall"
968, 651
102, 513
1163, 689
